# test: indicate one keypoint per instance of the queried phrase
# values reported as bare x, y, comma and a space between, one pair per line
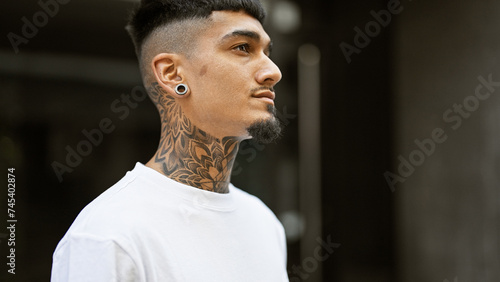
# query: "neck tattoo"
189, 155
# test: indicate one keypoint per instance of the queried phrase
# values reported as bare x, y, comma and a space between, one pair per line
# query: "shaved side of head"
179, 37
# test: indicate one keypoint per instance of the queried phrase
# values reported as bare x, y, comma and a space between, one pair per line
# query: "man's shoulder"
127, 205
105, 213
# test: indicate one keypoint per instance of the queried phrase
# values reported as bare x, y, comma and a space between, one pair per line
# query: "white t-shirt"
148, 227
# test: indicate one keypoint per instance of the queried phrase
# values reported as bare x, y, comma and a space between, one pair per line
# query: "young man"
206, 67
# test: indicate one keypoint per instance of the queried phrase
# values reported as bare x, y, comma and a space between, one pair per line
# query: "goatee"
266, 131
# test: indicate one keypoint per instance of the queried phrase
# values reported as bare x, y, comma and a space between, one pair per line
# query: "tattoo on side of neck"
190, 155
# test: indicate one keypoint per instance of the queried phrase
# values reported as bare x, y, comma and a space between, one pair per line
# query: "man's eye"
243, 47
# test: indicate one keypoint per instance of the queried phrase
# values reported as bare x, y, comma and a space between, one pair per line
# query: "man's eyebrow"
247, 33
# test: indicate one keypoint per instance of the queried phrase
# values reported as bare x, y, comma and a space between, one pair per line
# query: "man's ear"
166, 71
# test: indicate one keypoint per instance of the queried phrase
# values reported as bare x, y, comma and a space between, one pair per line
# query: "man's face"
231, 76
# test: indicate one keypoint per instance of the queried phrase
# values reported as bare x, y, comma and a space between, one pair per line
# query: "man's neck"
189, 155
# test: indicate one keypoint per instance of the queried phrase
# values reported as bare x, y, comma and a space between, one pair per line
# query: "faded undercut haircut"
151, 15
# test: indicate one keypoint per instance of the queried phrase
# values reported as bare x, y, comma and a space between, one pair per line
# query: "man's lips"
266, 94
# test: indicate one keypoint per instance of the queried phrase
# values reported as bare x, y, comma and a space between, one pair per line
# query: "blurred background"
388, 169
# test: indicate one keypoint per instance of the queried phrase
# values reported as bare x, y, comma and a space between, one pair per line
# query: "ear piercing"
181, 89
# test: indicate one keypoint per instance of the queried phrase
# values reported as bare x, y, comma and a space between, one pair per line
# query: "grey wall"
448, 208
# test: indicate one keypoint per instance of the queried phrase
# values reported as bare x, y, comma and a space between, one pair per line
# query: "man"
206, 67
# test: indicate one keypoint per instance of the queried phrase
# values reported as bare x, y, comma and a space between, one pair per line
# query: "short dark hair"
151, 14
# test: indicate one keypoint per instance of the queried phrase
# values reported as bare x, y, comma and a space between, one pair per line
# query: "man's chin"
266, 131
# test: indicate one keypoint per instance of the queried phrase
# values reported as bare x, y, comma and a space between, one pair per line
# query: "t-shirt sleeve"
93, 259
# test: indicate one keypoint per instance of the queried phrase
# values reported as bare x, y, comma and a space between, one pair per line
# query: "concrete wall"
448, 207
